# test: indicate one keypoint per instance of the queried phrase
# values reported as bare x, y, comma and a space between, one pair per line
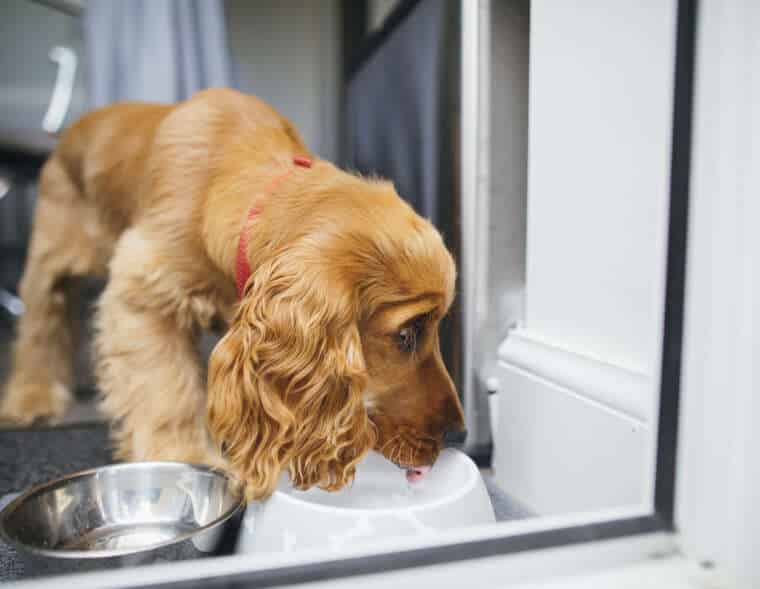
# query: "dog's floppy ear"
285, 383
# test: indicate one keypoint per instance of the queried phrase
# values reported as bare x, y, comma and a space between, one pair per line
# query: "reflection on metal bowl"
122, 515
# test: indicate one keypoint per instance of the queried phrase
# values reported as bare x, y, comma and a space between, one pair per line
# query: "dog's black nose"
454, 438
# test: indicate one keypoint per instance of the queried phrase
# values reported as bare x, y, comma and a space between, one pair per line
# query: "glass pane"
452, 331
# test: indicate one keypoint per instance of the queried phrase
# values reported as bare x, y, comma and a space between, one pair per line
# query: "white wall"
378, 11
718, 514
288, 52
580, 377
504, 247
600, 103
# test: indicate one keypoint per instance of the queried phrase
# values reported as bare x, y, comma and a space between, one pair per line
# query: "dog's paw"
24, 404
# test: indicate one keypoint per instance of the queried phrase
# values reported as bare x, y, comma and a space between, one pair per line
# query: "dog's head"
334, 347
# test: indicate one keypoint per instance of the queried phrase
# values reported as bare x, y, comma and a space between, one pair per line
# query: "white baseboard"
617, 387
573, 432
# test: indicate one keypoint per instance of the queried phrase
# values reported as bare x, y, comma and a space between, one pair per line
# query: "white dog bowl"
380, 503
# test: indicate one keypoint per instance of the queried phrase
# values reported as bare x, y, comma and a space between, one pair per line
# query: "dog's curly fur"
332, 350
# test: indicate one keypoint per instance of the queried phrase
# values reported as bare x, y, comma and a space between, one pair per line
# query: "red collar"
242, 267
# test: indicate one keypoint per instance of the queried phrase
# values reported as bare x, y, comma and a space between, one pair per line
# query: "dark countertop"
32, 456
29, 457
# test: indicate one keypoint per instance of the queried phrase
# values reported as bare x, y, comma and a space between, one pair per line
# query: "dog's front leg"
148, 369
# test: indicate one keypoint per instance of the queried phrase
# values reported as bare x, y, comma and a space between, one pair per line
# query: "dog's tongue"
416, 474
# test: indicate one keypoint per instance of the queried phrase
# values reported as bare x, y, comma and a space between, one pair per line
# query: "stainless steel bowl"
123, 515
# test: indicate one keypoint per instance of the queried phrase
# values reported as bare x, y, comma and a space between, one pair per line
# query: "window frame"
660, 522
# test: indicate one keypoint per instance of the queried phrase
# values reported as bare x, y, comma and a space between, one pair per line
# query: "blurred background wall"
288, 53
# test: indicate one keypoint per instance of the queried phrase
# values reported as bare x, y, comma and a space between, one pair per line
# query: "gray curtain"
398, 111
155, 50
402, 123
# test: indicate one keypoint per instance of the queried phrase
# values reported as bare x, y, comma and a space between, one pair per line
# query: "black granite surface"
11, 567
29, 457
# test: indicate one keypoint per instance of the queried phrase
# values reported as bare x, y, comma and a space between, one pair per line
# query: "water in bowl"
379, 484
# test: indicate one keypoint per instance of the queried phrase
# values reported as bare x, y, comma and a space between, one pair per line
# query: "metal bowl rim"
95, 554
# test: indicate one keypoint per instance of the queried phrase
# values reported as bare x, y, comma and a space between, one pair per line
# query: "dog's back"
104, 154
114, 168
121, 158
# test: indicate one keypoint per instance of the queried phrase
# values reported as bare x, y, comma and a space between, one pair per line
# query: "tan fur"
310, 374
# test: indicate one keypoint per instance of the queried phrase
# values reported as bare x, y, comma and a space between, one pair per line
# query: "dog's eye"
409, 335
407, 339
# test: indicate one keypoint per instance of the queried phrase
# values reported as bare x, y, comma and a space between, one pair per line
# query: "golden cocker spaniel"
331, 346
